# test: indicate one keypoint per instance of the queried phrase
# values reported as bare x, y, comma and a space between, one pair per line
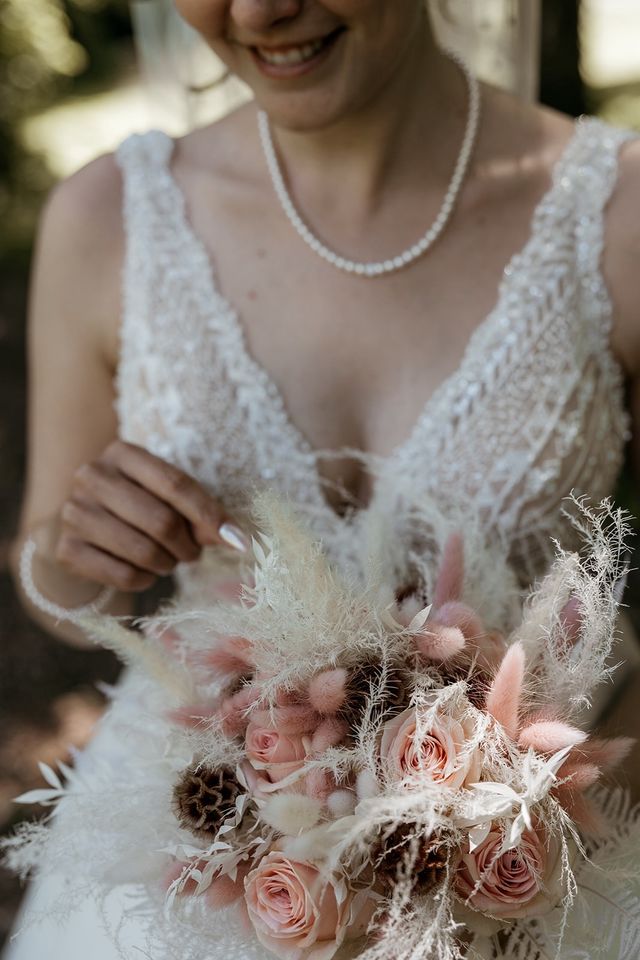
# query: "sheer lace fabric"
534, 410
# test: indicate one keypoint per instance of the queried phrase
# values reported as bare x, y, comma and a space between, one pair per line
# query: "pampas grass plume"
327, 690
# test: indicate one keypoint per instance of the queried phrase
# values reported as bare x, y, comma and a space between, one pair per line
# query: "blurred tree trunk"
561, 84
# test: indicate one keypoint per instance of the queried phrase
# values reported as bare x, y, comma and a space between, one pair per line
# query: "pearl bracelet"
47, 606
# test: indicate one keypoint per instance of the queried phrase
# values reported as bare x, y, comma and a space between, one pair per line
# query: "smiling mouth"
294, 56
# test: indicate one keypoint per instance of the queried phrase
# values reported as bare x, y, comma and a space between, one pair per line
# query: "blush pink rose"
523, 882
276, 753
294, 909
438, 748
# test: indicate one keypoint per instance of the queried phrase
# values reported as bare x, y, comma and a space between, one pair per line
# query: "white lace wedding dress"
534, 410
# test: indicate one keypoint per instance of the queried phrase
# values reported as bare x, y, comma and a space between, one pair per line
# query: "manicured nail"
234, 537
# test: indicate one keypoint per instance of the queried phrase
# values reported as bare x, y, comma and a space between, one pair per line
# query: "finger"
173, 486
135, 506
101, 529
93, 564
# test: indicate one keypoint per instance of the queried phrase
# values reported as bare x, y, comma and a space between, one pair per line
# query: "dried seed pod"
372, 682
405, 849
204, 797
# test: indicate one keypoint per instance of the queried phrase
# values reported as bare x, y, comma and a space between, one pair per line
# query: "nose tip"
261, 15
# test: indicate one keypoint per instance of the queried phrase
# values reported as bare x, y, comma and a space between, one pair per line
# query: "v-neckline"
273, 397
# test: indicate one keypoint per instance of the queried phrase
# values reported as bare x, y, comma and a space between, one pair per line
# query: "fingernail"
234, 537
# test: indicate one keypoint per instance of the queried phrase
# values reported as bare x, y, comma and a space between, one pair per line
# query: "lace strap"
143, 160
593, 176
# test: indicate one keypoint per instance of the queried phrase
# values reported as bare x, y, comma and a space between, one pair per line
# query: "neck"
407, 132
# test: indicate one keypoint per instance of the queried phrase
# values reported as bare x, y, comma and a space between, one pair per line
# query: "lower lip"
288, 70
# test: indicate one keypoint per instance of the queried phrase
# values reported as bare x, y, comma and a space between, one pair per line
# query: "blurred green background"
69, 90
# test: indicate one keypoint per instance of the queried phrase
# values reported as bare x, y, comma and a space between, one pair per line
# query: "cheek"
206, 16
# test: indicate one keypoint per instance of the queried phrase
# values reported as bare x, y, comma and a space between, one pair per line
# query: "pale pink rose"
294, 909
523, 882
278, 754
438, 749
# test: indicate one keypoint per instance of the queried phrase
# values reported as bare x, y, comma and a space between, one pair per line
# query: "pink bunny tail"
170, 639
319, 784
330, 733
192, 715
548, 736
235, 709
584, 813
230, 655
327, 690
451, 575
288, 720
608, 754
456, 614
578, 776
505, 693
228, 590
440, 643
223, 662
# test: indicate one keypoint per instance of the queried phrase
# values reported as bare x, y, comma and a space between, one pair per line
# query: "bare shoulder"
622, 257
519, 146
222, 160
79, 253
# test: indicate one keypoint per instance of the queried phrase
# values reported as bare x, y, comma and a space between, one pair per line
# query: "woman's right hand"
131, 517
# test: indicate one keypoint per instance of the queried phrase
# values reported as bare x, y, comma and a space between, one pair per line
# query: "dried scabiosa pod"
406, 850
204, 797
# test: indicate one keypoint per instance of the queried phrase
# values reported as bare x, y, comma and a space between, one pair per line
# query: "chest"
355, 360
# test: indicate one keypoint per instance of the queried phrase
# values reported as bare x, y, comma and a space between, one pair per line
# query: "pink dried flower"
523, 882
451, 574
416, 745
296, 912
276, 753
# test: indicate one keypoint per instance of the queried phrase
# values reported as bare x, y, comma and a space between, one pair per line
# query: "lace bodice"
533, 411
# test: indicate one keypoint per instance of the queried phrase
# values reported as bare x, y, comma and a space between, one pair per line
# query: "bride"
322, 272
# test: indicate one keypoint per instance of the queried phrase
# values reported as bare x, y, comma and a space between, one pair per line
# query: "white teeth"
293, 56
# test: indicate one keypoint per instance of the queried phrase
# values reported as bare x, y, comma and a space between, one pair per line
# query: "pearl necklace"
376, 269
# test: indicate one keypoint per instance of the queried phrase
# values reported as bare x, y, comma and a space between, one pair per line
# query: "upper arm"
73, 313
622, 271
